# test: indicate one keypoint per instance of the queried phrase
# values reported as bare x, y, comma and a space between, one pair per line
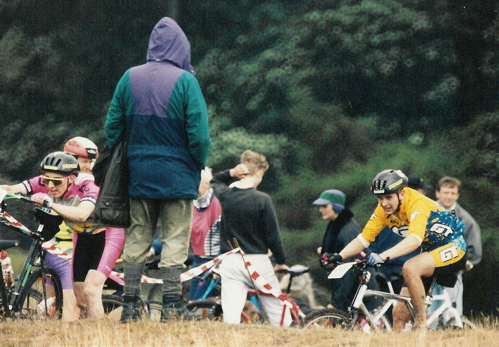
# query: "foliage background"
330, 91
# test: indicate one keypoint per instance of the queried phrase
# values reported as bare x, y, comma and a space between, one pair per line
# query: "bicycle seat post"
288, 289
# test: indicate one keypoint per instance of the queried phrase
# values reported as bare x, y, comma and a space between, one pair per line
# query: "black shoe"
174, 309
131, 309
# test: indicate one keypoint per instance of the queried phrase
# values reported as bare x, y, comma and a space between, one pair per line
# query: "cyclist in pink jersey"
95, 251
85, 152
70, 311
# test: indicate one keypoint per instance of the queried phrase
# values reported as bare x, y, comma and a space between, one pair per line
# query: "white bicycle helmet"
81, 147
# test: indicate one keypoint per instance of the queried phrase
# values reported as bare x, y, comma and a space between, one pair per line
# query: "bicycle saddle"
388, 277
49, 220
447, 280
297, 270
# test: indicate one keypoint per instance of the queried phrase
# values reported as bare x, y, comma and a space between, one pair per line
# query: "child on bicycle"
70, 311
421, 222
95, 251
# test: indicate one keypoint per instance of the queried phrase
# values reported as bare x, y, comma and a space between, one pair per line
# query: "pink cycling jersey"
103, 260
79, 191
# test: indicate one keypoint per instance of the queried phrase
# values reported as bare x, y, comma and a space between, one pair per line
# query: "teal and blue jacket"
160, 108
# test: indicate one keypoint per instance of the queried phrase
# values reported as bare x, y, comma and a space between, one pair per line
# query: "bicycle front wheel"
41, 297
209, 310
327, 318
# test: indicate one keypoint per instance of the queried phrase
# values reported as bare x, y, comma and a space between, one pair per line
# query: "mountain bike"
359, 317
37, 293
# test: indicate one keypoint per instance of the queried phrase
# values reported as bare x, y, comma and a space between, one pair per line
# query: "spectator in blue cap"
341, 229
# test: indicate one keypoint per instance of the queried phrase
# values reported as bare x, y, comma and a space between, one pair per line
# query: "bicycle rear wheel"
113, 305
209, 310
4, 303
467, 324
41, 297
326, 319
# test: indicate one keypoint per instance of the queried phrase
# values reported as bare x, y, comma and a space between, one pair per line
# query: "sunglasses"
55, 180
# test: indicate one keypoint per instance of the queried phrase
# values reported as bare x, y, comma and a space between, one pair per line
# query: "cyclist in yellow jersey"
422, 223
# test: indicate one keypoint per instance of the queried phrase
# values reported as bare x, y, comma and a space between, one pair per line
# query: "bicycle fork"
358, 304
358, 298
34, 250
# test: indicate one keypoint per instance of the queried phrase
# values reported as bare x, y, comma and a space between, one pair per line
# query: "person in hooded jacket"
160, 110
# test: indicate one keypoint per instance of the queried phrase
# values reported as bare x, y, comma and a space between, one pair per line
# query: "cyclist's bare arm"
78, 213
353, 248
406, 246
15, 188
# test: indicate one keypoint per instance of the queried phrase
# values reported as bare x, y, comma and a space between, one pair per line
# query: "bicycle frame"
445, 306
364, 292
296, 312
35, 255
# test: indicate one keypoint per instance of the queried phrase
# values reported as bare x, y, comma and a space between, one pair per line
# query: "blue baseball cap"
331, 196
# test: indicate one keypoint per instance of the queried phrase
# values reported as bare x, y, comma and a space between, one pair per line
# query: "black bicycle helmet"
388, 182
60, 162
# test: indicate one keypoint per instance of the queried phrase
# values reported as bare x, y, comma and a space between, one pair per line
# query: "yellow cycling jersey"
411, 219
65, 233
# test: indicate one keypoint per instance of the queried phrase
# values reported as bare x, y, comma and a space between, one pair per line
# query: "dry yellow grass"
109, 332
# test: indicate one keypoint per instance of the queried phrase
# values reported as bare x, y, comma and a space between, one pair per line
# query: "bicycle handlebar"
293, 273
4, 195
6, 244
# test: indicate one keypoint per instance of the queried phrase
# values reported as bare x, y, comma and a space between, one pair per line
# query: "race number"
448, 253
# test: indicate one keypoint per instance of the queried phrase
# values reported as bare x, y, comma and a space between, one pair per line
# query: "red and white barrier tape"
185, 276
190, 274
264, 286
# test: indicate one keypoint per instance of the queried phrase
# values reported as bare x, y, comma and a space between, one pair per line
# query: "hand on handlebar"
330, 260
280, 267
374, 259
42, 199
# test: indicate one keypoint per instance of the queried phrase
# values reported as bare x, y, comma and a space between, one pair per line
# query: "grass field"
109, 332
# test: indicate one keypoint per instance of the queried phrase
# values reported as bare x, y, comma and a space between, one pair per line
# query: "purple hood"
168, 42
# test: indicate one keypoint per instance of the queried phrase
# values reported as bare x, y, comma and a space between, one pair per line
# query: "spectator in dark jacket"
248, 215
341, 229
159, 108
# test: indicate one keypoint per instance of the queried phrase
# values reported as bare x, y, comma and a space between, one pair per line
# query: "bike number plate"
3, 193
340, 270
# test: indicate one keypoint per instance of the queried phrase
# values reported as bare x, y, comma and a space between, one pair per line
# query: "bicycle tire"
113, 305
32, 304
209, 310
467, 324
326, 318
4, 299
